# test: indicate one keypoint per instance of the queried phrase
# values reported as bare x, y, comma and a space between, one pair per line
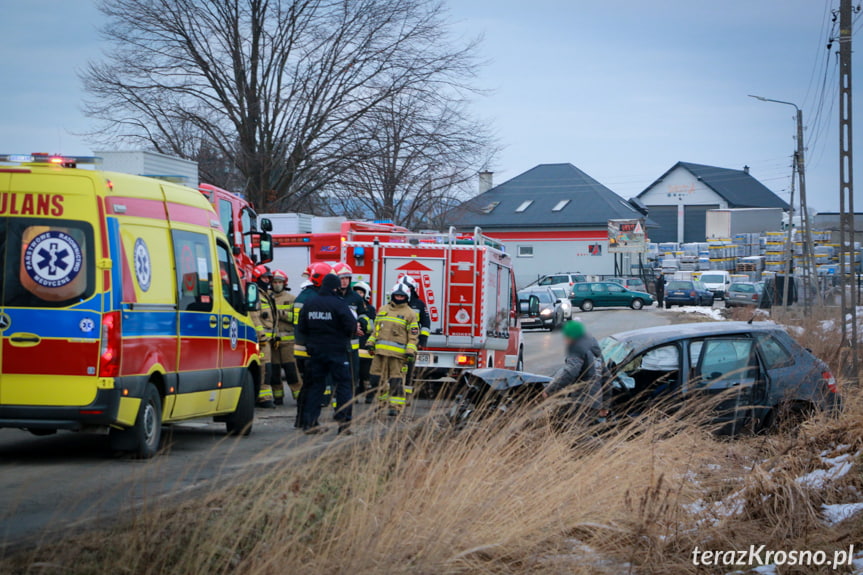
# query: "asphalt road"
66, 480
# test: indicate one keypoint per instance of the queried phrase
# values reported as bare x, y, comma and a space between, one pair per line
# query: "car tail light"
692, 294
755, 297
830, 381
465, 360
110, 352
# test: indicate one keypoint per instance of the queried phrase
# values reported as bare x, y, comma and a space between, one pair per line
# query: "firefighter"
393, 346
261, 275
327, 325
366, 320
355, 302
283, 342
419, 306
265, 318
316, 273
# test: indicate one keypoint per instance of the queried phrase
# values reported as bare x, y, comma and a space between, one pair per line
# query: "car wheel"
142, 439
636, 303
240, 421
586, 305
667, 306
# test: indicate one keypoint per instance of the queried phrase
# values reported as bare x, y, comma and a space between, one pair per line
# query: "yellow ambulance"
121, 308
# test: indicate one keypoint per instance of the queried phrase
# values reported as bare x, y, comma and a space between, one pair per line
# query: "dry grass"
510, 495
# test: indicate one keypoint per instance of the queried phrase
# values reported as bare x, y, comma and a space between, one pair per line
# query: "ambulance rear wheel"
142, 440
240, 422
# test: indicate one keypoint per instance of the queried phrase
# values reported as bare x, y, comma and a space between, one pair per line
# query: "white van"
717, 281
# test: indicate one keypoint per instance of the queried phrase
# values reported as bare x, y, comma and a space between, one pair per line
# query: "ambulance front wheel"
240, 422
142, 440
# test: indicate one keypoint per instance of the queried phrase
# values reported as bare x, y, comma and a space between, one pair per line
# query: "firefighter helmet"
307, 272
261, 271
318, 271
367, 290
306, 284
342, 269
410, 282
400, 290
280, 276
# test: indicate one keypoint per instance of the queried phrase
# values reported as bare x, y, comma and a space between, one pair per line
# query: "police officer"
316, 273
366, 319
419, 306
265, 318
283, 342
393, 346
327, 324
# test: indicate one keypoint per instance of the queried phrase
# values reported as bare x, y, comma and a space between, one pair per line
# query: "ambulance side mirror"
533, 306
251, 297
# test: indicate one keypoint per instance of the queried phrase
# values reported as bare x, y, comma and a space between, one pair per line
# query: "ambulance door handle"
226, 321
214, 321
24, 339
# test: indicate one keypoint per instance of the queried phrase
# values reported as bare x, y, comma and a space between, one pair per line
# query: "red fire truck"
240, 223
466, 281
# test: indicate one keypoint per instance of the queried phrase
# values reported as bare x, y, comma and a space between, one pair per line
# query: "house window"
524, 205
560, 205
489, 208
525, 251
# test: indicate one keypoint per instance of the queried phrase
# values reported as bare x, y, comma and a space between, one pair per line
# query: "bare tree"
422, 149
276, 86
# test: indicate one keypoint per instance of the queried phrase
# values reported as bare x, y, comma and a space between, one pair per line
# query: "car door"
615, 295
599, 294
727, 376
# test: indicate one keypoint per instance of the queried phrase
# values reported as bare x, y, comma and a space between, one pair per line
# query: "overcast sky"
622, 89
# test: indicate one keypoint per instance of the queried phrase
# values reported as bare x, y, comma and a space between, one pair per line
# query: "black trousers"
318, 367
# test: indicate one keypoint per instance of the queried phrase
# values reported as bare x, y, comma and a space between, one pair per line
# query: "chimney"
745, 169
485, 181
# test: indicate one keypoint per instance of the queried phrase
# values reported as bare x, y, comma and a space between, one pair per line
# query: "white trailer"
725, 224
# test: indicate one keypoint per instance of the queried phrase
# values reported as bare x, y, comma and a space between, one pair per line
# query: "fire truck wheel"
240, 422
142, 440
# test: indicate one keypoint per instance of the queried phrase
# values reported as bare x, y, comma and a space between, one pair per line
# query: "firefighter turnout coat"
285, 304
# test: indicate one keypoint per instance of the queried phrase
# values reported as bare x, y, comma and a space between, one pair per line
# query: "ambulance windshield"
46, 263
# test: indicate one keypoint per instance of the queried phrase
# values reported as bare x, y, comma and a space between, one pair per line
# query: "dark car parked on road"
687, 292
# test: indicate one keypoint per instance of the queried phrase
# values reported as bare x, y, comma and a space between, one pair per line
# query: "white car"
561, 279
716, 281
565, 304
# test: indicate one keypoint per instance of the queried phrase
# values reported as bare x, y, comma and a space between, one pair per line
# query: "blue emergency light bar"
53, 159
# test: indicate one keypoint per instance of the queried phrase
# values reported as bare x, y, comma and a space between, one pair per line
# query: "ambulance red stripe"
67, 358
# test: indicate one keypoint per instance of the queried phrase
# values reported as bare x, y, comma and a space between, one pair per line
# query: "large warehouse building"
677, 202
552, 218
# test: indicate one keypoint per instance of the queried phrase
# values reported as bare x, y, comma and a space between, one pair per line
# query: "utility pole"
846, 196
789, 241
809, 272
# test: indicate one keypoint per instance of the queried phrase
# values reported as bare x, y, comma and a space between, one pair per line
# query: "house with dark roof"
552, 218
679, 199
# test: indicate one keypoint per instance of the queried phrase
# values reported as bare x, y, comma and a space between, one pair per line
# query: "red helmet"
307, 272
279, 275
318, 271
259, 272
342, 269
226, 279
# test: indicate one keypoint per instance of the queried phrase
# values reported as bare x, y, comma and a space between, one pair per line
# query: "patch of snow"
838, 467
711, 312
838, 513
828, 325
765, 569
857, 563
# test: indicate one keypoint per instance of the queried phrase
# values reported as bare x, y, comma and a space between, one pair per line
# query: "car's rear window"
46, 263
743, 288
679, 285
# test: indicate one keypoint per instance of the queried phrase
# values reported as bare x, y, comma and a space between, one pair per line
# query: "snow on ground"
837, 513
711, 312
837, 467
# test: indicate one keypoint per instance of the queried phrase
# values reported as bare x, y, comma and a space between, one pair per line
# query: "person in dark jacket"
582, 377
366, 318
327, 325
660, 290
